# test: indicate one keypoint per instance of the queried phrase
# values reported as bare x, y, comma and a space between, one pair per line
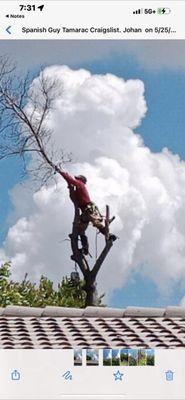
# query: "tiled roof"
92, 327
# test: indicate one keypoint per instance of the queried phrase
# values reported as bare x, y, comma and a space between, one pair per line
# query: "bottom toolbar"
56, 374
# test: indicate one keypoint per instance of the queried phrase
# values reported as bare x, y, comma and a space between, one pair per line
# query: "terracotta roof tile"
98, 327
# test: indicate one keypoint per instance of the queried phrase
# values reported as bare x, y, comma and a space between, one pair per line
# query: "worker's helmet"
81, 178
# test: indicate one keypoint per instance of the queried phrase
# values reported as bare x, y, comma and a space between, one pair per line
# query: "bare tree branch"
24, 109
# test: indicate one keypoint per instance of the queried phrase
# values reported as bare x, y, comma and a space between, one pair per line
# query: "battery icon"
163, 11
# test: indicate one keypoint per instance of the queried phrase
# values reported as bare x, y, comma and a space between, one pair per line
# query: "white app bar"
103, 19
51, 374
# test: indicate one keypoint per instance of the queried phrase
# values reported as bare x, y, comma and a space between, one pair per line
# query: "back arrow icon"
8, 30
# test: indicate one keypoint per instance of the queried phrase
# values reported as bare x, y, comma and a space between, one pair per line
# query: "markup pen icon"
67, 376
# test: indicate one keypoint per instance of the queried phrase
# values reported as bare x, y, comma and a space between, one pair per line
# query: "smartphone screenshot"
92, 200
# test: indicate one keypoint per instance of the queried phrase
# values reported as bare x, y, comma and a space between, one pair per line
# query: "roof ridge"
92, 312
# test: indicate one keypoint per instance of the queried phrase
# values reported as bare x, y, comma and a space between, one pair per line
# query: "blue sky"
107, 353
163, 126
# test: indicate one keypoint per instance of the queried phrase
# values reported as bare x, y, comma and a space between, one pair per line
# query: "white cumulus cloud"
182, 302
94, 118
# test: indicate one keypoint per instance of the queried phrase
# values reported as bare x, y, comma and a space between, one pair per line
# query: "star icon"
118, 376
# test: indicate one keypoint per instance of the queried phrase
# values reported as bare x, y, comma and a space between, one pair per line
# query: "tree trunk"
90, 298
91, 292
77, 256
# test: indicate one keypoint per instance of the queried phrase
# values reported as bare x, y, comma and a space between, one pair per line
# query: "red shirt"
81, 195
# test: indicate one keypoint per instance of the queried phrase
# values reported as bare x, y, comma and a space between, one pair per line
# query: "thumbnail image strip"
133, 357
107, 357
142, 357
150, 353
77, 357
124, 357
92, 357
116, 357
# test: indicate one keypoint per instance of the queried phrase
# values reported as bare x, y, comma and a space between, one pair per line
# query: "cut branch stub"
107, 218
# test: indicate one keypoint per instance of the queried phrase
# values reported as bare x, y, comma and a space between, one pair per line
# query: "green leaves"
44, 293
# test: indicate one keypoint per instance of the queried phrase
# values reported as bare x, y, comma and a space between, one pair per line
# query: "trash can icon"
169, 375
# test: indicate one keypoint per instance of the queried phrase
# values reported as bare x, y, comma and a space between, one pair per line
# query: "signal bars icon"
139, 11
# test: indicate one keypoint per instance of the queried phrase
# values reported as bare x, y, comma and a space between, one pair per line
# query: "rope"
96, 244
